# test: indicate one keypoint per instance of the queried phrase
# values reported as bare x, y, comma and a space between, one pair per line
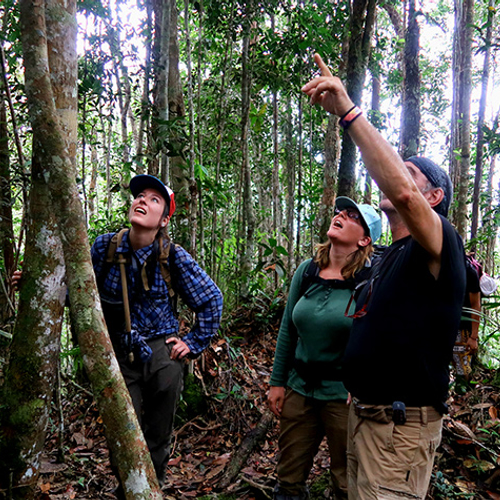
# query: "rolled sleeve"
202, 296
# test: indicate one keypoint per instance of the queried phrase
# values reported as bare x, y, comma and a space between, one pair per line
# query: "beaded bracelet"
350, 116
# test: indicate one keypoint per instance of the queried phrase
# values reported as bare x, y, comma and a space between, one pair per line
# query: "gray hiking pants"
155, 388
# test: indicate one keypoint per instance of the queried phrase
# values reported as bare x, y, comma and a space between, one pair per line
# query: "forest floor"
212, 429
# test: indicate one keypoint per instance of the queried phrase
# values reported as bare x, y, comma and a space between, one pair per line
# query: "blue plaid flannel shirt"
151, 313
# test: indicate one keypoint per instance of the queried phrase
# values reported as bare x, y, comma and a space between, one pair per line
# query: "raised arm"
383, 163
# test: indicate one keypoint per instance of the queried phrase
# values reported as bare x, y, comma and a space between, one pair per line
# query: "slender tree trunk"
193, 187
361, 27
490, 226
122, 428
290, 183
185, 192
144, 121
248, 219
460, 138
332, 155
124, 91
160, 112
300, 208
200, 128
7, 247
221, 120
375, 119
410, 112
478, 175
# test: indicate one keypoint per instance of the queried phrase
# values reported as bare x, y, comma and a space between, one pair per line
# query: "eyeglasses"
352, 214
363, 311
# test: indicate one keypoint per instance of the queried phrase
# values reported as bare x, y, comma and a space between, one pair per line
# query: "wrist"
350, 116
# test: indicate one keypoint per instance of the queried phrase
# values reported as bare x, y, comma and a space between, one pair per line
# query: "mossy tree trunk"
32, 371
122, 430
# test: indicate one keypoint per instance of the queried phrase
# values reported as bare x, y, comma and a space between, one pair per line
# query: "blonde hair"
355, 261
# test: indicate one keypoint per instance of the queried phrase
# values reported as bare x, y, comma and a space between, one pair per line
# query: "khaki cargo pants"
387, 461
303, 424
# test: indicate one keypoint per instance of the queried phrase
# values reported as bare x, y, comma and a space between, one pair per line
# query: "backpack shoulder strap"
114, 243
110, 259
166, 259
310, 273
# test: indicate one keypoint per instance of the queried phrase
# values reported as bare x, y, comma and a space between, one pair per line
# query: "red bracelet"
350, 116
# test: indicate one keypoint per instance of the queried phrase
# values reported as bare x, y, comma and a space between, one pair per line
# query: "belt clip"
398, 413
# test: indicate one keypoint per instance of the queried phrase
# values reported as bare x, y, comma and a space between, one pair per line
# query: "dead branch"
239, 458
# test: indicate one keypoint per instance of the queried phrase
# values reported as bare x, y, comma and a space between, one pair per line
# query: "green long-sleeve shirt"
312, 338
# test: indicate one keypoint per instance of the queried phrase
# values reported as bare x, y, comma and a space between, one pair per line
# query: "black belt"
386, 414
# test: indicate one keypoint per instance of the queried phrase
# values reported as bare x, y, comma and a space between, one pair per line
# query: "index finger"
325, 71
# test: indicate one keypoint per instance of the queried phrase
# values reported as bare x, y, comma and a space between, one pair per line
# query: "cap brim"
343, 202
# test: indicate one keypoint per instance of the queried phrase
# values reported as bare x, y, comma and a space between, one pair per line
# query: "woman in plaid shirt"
150, 356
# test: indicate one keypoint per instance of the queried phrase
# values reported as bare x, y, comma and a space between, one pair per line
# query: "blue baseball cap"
370, 217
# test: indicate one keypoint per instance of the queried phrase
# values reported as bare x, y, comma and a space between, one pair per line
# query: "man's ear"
364, 241
435, 196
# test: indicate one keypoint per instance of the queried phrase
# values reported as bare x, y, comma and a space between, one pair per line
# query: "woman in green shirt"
306, 390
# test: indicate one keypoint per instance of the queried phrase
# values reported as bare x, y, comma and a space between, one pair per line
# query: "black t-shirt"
401, 349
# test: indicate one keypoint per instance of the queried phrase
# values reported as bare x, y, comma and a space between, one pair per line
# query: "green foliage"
193, 401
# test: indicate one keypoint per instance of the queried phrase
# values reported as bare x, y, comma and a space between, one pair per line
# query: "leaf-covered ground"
220, 413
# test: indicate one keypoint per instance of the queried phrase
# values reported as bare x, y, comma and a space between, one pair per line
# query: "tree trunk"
248, 217
32, 370
6, 227
185, 192
460, 128
221, 120
144, 121
31, 374
160, 115
193, 187
410, 112
122, 429
361, 27
332, 154
478, 175
290, 182
490, 226
298, 257
124, 90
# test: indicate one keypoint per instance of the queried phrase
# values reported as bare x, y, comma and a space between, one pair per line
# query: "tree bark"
239, 458
6, 227
361, 28
460, 137
478, 175
290, 182
144, 121
332, 155
33, 364
160, 115
122, 429
185, 191
410, 112
221, 121
248, 219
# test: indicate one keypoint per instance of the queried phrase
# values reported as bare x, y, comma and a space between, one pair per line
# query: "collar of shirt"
141, 254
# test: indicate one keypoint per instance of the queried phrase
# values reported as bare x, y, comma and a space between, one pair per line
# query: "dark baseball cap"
141, 182
438, 177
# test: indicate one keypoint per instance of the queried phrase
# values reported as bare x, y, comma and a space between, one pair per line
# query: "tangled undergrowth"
223, 407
